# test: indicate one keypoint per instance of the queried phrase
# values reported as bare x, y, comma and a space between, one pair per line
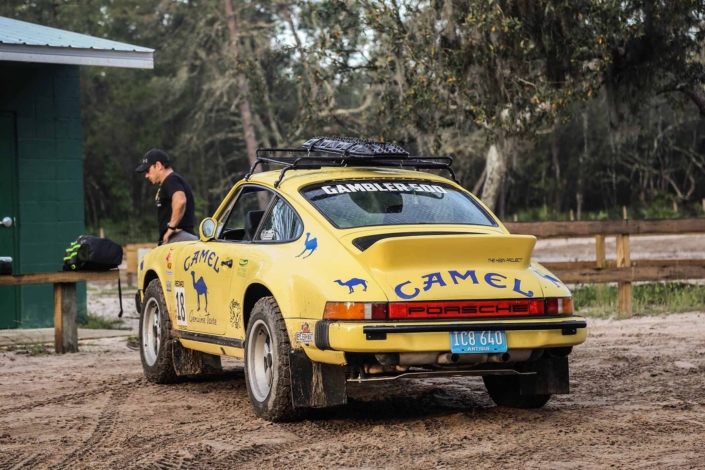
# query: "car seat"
252, 221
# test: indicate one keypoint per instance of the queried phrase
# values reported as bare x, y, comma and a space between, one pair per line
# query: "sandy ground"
637, 401
641, 247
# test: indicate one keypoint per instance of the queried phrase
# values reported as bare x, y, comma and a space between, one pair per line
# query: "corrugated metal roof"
23, 33
27, 42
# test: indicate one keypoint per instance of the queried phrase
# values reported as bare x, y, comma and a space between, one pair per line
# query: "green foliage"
96, 322
596, 101
600, 300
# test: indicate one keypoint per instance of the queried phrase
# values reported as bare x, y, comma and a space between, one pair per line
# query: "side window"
282, 224
246, 214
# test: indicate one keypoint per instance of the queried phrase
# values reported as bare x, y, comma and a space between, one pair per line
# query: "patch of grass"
133, 338
94, 322
600, 301
34, 349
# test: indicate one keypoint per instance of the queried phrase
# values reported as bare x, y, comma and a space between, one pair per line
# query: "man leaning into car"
175, 204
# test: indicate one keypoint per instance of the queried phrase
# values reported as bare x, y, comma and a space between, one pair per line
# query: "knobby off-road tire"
155, 337
267, 372
504, 391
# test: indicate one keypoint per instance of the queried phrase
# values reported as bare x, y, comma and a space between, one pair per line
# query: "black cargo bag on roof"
89, 253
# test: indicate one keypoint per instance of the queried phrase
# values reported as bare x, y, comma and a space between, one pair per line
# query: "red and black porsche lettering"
464, 309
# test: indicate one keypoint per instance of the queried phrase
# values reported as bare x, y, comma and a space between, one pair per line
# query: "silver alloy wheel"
259, 361
151, 332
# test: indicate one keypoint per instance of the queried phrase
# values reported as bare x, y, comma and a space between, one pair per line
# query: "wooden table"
65, 313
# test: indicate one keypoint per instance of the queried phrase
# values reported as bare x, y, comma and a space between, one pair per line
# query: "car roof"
294, 180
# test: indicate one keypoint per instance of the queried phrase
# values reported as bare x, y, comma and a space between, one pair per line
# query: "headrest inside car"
252, 220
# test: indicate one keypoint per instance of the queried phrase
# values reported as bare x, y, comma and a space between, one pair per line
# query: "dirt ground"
637, 401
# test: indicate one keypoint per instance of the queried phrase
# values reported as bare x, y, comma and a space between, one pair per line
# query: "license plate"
470, 342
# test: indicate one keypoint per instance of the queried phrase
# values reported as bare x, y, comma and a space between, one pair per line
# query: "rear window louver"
363, 243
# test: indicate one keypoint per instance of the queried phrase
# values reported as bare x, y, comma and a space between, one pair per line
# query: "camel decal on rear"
352, 283
310, 245
201, 289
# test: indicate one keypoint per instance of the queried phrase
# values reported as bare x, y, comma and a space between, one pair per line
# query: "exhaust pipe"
513, 355
499, 357
453, 358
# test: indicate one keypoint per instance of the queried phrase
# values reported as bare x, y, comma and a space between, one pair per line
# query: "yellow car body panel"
205, 283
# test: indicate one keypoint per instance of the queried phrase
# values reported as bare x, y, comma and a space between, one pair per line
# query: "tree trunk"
243, 88
496, 169
558, 196
696, 93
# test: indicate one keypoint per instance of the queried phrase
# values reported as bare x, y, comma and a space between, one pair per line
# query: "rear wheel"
504, 391
267, 370
155, 342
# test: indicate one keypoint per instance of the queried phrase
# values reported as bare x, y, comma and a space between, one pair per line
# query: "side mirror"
208, 229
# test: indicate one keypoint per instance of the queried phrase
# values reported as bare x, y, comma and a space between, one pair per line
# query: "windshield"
348, 204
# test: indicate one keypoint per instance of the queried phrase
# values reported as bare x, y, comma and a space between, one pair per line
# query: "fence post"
624, 300
600, 250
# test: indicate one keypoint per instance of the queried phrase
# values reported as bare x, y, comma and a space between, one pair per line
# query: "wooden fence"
130, 251
623, 271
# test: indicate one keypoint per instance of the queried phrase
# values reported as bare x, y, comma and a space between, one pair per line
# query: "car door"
202, 278
202, 287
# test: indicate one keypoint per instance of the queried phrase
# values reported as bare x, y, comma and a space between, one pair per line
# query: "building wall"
46, 102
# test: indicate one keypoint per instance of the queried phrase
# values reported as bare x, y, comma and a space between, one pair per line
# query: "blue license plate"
471, 342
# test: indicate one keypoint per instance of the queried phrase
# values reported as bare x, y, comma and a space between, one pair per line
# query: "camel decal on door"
201, 289
310, 245
352, 283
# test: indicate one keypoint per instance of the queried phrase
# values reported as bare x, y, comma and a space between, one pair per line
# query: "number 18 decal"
180, 299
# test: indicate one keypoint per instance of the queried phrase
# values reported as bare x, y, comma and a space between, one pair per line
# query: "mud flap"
190, 362
314, 384
551, 377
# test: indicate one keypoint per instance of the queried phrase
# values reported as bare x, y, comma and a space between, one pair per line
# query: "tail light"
447, 309
355, 311
562, 306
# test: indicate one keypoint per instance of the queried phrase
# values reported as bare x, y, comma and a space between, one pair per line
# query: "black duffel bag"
89, 253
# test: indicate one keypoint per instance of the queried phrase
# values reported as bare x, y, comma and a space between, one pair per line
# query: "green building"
41, 155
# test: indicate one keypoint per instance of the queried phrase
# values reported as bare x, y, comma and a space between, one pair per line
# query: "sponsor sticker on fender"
305, 335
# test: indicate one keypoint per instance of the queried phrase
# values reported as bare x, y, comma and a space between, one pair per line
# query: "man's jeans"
182, 236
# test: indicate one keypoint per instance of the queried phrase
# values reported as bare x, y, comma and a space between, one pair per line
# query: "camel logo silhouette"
201, 289
549, 278
352, 283
310, 245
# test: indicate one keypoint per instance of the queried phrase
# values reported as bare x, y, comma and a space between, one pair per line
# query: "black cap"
152, 157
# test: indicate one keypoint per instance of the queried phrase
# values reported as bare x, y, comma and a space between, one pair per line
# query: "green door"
9, 296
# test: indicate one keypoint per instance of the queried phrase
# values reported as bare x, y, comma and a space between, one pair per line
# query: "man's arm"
178, 208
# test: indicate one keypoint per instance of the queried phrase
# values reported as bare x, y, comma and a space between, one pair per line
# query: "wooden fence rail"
623, 271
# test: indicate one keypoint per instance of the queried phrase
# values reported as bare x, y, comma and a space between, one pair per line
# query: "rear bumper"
420, 337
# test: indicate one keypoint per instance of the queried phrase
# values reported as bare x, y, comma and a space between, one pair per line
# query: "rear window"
348, 204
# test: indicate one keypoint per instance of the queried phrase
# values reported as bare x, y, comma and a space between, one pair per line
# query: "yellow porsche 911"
351, 265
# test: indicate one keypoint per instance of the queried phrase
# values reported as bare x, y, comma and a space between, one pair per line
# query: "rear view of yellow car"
350, 265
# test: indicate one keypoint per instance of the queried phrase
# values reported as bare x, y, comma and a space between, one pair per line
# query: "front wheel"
504, 391
155, 342
267, 370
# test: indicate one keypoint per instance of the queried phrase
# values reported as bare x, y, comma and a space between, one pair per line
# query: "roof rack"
345, 152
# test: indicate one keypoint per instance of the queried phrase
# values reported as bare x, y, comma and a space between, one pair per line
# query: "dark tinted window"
391, 202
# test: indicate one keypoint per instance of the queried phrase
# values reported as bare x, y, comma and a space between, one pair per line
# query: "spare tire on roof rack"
347, 151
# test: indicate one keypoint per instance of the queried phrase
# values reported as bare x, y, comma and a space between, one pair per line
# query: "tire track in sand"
102, 432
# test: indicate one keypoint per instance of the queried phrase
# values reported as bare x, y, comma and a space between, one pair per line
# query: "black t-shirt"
171, 184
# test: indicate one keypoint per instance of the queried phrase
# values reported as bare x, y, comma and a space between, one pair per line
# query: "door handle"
228, 263
7, 221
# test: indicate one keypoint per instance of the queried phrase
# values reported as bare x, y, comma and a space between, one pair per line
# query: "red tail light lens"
560, 306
